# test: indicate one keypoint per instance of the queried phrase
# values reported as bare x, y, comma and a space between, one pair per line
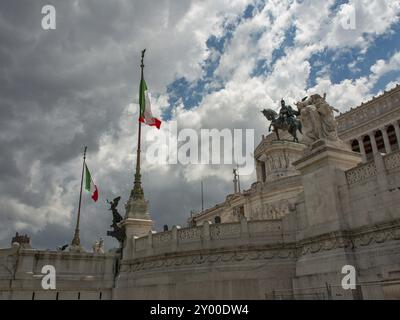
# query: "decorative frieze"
275, 158
359, 238
217, 259
363, 128
352, 240
366, 112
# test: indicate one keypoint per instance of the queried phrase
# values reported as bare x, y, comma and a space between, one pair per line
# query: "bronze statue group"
314, 119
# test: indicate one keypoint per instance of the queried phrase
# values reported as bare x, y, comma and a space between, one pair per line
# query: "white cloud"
382, 67
316, 23
175, 34
239, 103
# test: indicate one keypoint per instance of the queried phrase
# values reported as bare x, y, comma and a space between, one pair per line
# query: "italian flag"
146, 116
90, 186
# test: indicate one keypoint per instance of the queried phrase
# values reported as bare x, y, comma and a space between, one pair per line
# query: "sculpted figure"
328, 121
118, 232
113, 207
317, 119
98, 247
285, 120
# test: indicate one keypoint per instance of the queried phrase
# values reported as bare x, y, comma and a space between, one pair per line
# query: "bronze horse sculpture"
288, 123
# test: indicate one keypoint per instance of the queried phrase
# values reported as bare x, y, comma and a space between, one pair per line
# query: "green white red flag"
90, 186
146, 116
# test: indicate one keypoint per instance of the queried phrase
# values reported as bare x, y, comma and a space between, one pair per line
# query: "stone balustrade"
367, 170
161, 238
392, 160
361, 173
79, 275
189, 234
208, 235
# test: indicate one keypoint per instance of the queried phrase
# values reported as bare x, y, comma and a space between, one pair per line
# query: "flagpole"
137, 191
76, 240
202, 197
238, 177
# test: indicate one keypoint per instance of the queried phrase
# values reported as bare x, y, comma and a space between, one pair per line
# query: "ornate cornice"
353, 239
212, 256
370, 116
367, 104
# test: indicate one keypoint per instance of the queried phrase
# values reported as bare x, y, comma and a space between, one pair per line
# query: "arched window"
217, 219
263, 172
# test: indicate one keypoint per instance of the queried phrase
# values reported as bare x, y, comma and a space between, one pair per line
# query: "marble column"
264, 170
258, 171
362, 149
386, 140
373, 143
397, 130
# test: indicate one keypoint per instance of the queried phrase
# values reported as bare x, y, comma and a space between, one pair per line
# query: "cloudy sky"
209, 64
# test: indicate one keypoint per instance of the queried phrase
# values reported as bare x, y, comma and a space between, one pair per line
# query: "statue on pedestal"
317, 119
98, 247
286, 120
22, 239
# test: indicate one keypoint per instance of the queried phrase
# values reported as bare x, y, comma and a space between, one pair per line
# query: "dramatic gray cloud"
65, 88
78, 85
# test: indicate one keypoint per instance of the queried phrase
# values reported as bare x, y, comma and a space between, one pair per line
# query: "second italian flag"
90, 186
146, 116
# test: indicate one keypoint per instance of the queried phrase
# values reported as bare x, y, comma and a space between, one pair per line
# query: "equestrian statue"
286, 120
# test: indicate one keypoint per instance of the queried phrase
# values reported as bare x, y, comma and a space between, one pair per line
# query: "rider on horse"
286, 114
286, 120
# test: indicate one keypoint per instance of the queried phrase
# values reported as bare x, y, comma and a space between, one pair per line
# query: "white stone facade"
348, 215
374, 126
369, 129
287, 237
86, 276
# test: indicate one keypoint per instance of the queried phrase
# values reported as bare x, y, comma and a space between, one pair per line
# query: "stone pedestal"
274, 159
137, 208
323, 169
137, 222
76, 248
321, 211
